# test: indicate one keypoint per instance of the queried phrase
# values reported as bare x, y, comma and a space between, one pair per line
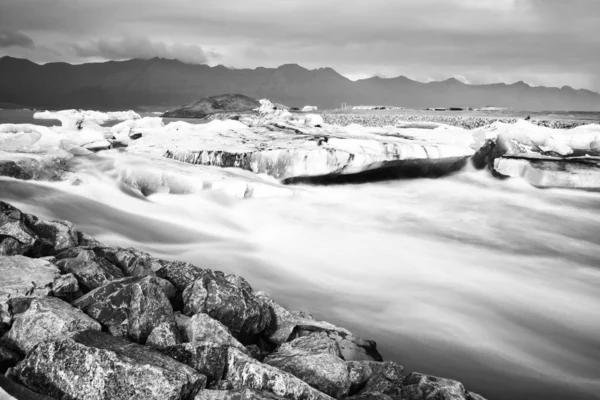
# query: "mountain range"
160, 83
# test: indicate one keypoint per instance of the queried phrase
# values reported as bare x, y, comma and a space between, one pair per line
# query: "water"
493, 283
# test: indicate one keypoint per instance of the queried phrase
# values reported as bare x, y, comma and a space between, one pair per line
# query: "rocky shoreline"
461, 121
82, 320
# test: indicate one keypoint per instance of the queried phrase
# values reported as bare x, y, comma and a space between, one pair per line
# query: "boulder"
94, 365
66, 287
129, 307
237, 394
244, 371
90, 270
417, 386
207, 359
47, 318
163, 335
205, 330
316, 360
372, 379
56, 235
10, 390
15, 237
23, 276
180, 274
228, 299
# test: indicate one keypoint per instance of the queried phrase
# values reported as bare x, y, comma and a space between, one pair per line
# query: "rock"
238, 394
215, 104
90, 270
47, 318
94, 365
66, 287
56, 235
207, 359
28, 166
23, 276
229, 300
15, 237
8, 389
352, 348
203, 329
424, 387
129, 307
372, 379
8, 359
316, 360
244, 371
180, 274
282, 322
163, 336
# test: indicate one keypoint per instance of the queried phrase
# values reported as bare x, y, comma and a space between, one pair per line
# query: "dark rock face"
47, 318
244, 371
93, 365
215, 104
227, 299
56, 235
207, 359
371, 379
90, 270
129, 307
316, 360
421, 387
15, 236
180, 274
238, 394
66, 287
8, 359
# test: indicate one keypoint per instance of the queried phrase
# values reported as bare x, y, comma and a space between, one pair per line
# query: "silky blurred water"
494, 283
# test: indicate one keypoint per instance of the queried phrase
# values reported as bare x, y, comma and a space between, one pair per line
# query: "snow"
77, 119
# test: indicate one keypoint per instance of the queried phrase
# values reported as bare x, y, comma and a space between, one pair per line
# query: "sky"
541, 42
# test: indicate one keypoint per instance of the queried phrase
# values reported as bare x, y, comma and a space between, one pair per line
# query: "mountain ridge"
162, 82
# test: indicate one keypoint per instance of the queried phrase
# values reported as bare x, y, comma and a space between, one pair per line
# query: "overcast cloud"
543, 42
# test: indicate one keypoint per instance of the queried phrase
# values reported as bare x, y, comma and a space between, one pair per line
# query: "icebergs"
78, 119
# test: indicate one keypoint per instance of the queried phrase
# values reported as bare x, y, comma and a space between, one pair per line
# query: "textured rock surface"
163, 335
238, 394
93, 365
424, 387
90, 270
15, 236
47, 318
180, 274
371, 379
229, 300
215, 104
207, 359
129, 307
12, 390
56, 235
23, 276
203, 329
8, 359
316, 360
244, 371
66, 287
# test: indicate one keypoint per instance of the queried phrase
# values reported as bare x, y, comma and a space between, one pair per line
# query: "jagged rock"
215, 104
180, 274
203, 329
244, 371
238, 394
352, 348
90, 270
129, 307
418, 386
8, 359
316, 360
23, 276
47, 318
229, 300
56, 235
162, 336
282, 321
372, 379
66, 287
207, 359
131, 261
221, 385
94, 365
8, 389
15, 237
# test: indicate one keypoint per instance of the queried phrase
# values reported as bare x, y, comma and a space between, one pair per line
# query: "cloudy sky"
542, 42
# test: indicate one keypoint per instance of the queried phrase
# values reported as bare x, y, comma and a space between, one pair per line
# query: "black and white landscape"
297, 200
